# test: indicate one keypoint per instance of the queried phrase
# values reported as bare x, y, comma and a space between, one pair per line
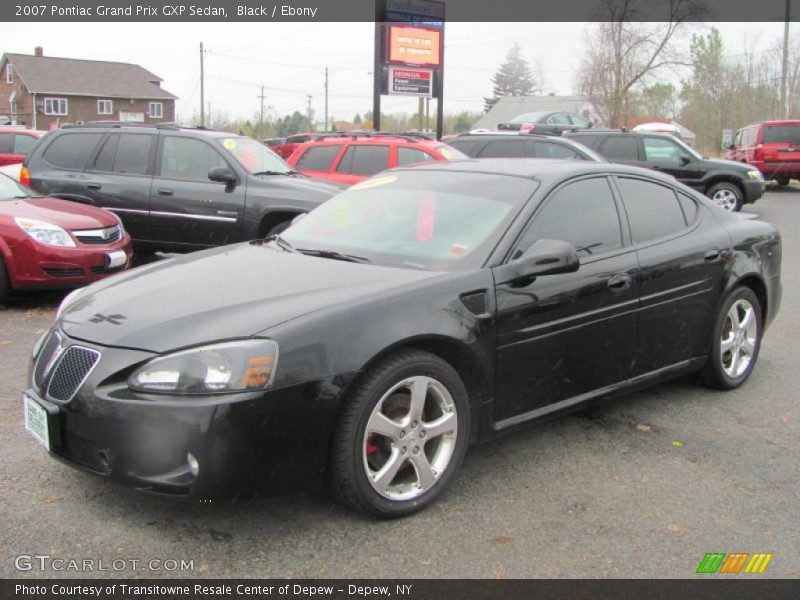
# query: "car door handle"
712, 255
164, 192
620, 283
93, 186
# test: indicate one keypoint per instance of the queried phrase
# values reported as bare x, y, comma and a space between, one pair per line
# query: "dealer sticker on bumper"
36, 421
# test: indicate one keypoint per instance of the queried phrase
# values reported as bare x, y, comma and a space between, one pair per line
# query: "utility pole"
261, 117
202, 90
785, 65
308, 112
326, 99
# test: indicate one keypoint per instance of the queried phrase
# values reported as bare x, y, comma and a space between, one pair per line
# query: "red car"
51, 243
292, 143
16, 143
773, 147
349, 158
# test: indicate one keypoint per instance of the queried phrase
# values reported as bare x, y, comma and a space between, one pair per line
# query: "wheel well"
758, 288
725, 179
271, 219
458, 358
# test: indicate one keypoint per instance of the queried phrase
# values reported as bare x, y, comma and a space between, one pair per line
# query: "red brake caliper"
371, 446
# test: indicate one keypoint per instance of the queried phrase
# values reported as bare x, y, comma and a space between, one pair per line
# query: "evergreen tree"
513, 78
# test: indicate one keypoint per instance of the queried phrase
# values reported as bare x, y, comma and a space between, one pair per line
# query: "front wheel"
736, 342
401, 436
726, 195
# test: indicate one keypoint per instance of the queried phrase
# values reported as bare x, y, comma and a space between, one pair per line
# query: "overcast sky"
289, 59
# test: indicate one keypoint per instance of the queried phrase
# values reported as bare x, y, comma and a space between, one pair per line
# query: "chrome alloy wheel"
725, 199
738, 341
410, 438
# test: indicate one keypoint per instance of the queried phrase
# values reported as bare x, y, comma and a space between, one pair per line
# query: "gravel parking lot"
641, 487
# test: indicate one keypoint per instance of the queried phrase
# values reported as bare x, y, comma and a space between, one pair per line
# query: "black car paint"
316, 309
170, 214
699, 174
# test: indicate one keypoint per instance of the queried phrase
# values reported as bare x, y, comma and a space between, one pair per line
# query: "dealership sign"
410, 82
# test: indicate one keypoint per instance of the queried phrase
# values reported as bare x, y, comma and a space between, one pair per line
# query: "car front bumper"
753, 190
271, 441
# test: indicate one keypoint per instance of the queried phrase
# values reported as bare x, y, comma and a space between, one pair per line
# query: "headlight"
217, 368
755, 175
44, 232
121, 226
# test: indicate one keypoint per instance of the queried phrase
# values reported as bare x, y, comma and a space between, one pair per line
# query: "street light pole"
785, 65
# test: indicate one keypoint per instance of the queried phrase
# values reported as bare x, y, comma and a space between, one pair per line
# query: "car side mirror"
685, 160
223, 175
590, 125
544, 257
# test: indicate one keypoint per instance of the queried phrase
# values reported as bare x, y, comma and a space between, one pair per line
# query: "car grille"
71, 272
87, 454
61, 371
109, 235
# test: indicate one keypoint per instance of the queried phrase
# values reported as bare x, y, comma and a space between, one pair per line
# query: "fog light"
194, 466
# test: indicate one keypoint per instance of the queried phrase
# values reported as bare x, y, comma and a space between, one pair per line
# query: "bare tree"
620, 54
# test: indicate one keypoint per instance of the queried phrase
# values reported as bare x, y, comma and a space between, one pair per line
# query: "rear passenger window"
653, 210
409, 156
547, 150
689, 208
6, 142
125, 153
23, 144
71, 151
621, 148
468, 147
567, 212
318, 158
506, 149
364, 160
592, 141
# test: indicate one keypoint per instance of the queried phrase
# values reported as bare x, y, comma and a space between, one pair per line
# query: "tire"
732, 341
5, 283
726, 195
782, 180
413, 459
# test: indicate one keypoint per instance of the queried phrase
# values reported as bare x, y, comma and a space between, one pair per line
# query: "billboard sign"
414, 46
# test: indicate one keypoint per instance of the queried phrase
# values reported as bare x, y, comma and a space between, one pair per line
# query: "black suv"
175, 188
509, 144
729, 184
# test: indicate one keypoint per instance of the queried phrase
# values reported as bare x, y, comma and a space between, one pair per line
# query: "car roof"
541, 169
20, 129
115, 125
506, 135
373, 138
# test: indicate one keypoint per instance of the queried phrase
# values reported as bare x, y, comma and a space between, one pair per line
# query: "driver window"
559, 120
582, 213
188, 159
663, 151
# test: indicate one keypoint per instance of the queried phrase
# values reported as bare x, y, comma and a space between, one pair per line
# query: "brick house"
42, 92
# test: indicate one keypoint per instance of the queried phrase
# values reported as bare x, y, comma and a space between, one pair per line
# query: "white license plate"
115, 259
36, 421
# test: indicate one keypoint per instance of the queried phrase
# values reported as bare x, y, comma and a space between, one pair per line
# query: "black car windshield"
254, 156
10, 189
437, 220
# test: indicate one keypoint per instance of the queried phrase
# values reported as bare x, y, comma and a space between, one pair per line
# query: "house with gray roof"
43, 92
512, 106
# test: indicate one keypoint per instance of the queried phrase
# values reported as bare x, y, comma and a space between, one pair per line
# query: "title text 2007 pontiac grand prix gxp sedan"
417, 312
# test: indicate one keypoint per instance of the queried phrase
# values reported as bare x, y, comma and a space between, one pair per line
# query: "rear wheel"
736, 341
782, 180
726, 195
401, 436
280, 227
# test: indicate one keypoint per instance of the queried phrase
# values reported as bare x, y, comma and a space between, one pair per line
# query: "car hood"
223, 293
298, 183
730, 165
65, 214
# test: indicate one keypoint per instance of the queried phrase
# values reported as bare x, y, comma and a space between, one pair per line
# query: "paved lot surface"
641, 487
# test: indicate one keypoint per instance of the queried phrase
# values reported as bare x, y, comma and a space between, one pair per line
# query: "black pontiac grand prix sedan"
409, 316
